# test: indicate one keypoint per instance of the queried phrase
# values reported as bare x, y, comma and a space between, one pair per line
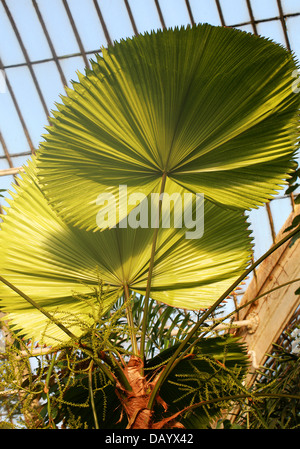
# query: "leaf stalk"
180, 351
151, 265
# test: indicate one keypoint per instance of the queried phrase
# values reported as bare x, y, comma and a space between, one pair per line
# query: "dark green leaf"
297, 199
292, 188
214, 370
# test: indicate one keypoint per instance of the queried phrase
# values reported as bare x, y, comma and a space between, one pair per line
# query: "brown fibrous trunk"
135, 402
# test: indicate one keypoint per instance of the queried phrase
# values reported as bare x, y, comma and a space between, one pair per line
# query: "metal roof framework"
283, 13
10, 157
9, 154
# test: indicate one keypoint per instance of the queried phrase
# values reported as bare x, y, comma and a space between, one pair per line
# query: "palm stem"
151, 264
92, 396
38, 307
46, 390
248, 303
111, 368
180, 352
232, 398
130, 321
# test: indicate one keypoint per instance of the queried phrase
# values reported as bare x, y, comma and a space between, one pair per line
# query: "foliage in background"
278, 384
64, 399
294, 184
69, 386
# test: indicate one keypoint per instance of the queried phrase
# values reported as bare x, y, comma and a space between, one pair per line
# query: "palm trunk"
135, 402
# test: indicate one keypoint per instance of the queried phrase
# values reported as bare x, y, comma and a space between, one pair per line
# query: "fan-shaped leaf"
58, 265
212, 107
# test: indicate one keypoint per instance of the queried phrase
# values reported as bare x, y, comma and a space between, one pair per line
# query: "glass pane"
3, 161
5, 184
145, 15
265, 9
70, 66
30, 30
260, 227
293, 26
272, 30
10, 124
290, 6
235, 11
29, 103
280, 208
205, 12
10, 50
88, 24
58, 26
247, 28
19, 161
175, 13
116, 18
50, 82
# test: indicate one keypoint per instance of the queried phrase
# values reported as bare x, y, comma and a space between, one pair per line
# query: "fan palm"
187, 111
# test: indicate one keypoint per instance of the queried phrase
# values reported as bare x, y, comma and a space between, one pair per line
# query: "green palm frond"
75, 404
57, 265
214, 370
211, 107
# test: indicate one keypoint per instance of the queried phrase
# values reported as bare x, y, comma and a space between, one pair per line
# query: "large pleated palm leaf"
211, 107
58, 265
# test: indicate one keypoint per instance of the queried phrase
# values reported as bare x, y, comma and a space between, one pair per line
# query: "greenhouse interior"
121, 324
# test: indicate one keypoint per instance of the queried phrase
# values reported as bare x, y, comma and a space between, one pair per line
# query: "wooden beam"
274, 310
11, 171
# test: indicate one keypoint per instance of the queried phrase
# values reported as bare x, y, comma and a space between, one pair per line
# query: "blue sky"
93, 38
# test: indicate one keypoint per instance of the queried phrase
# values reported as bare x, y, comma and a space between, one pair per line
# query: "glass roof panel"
5, 181
235, 11
175, 13
205, 12
58, 25
146, 15
88, 25
290, 6
30, 30
273, 30
117, 19
70, 66
265, 9
260, 227
293, 27
280, 209
11, 128
29, 102
248, 28
19, 161
45, 71
10, 51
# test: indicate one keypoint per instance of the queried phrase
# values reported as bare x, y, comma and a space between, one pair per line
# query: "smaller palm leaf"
61, 267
